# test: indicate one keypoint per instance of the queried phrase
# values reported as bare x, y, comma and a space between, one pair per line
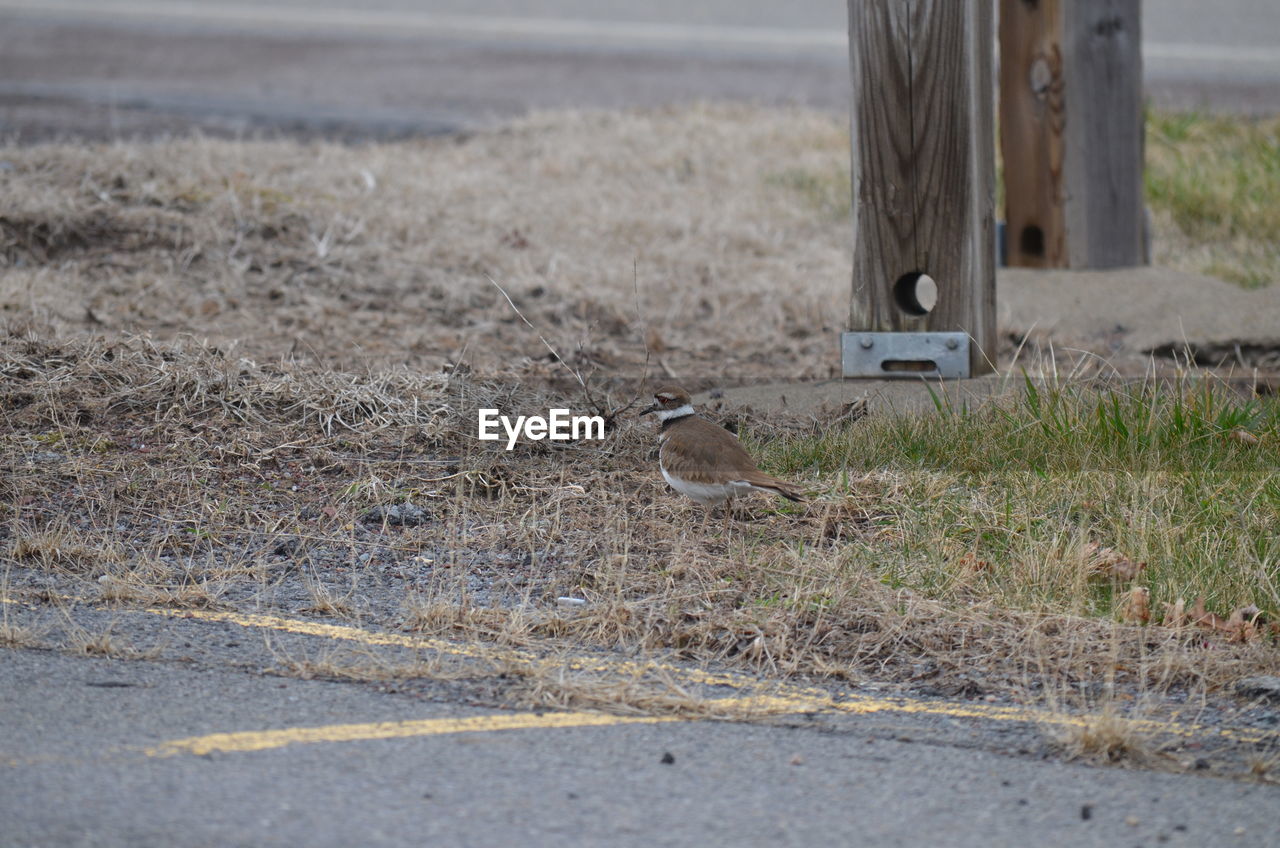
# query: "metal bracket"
941, 356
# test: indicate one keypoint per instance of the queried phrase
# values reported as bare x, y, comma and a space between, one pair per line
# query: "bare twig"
541, 337
608, 412
644, 324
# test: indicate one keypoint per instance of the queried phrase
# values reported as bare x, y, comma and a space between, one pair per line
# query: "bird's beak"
648, 409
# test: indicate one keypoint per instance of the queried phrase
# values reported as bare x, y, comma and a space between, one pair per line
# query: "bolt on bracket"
943, 356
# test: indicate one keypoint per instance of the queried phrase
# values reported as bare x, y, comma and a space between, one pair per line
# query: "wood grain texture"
1071, 132
1104, 145
1032, 123
922, 164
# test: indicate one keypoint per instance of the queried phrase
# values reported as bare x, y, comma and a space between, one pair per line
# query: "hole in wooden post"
1031, 242
915, 293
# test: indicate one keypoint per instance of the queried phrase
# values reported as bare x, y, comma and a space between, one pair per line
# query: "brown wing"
711, 454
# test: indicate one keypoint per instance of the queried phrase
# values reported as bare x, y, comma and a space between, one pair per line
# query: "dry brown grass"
59, 548
378, 255
348, 664
237, 493
1263, 767
317, 332
1104, 737
552, 685
151, 589
101, 643
717, 234
15, 633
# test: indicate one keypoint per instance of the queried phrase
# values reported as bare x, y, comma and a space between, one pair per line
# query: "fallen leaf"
1102, 561
1136, 608
1242, 626
972, 565
1243, 436
1175, 614
1201, 617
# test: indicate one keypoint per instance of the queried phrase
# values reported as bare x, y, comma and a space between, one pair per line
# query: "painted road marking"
473, 651
783, 698
263, 740
575, 29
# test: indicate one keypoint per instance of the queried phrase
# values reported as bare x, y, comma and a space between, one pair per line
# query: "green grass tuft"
1012, 500
1216, 180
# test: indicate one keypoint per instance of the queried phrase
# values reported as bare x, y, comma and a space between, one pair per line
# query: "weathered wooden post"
923, 189
1071, 133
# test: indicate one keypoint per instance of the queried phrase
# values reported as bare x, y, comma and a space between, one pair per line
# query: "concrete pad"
1121, 315
1135, 309
829, 397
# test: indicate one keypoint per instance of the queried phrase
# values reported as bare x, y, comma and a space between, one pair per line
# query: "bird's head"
668, 401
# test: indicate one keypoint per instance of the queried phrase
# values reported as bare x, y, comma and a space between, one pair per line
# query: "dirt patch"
86, 237
676, 228
710, 243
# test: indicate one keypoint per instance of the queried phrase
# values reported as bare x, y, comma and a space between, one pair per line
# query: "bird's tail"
780, 487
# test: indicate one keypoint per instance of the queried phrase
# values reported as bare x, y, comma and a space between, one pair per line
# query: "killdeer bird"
702, 460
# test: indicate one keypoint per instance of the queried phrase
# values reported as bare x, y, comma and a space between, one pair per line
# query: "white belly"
708, 494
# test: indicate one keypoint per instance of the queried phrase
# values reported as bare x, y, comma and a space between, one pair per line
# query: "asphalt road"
112, 753
110, 68
190, 736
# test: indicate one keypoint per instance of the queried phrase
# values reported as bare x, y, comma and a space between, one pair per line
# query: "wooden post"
923, 169
1071, 133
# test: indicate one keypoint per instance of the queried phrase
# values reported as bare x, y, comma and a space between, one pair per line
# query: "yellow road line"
263, 740
328, 631
507, 655
786, 698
